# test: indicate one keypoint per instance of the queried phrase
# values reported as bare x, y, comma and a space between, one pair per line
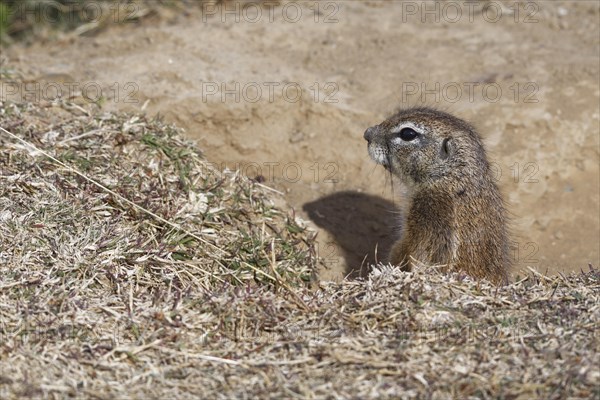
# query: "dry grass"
211, 296
27, 21
30, 20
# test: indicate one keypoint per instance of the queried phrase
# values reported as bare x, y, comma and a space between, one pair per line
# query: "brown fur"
455, 213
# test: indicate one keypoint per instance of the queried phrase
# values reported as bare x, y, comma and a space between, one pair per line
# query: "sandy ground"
285, 93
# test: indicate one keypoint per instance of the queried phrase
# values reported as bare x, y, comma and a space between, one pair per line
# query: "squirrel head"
423, 146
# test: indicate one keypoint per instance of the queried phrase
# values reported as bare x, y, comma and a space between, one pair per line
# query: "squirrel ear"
446, 150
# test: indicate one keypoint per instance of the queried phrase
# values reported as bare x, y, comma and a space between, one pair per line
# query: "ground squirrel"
455, 215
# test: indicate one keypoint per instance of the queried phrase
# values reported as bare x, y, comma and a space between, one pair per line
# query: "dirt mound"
200, 290
287, 100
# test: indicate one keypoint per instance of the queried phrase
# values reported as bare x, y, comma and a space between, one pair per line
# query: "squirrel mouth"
380, 155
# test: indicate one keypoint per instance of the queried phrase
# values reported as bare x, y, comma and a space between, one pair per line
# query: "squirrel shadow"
364, 228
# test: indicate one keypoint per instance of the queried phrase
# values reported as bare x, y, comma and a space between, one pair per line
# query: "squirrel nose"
368, 135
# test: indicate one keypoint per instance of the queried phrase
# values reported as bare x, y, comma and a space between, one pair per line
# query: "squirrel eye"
407, 134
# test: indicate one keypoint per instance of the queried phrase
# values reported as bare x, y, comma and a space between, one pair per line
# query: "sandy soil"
285, 93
